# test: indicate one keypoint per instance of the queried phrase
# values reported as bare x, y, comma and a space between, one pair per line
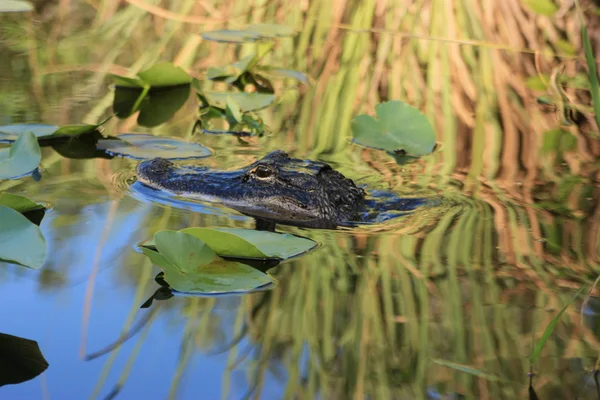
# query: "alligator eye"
263, 172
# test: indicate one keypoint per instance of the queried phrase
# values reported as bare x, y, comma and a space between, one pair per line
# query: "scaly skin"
275, 188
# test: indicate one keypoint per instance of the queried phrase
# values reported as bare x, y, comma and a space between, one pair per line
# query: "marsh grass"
368, 315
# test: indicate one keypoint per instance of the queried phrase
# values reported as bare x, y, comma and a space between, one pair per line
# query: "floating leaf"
21, 241
190, 266
19, 203
47, 133
158, 93
270, 30
20, 359
12, 132
398, 127
542, 7
23, 157
7, 6
182, 250
246, 243
231, 36
143, 146
231, 71
245, 101
33, 211
165, 74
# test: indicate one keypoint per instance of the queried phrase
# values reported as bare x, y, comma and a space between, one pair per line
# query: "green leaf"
19, 203
232, 71
190, 266
231, 36
45, 132
21, 241
143, 146
537, 351
184, 251
123, 81
247, 243
217, 278
542, 7
398, 127
12, 132
234, 109
77, 130
165, 74
7, 6
245, 101
270, 30
23, 157
592, 73
536, 82
276, 72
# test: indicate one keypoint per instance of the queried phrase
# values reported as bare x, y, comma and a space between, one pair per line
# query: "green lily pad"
190, 266
141, 146
232, 71
23, 157
19, 203
12, 132
270, 30
247, 243
7, 6
33, 211
46, 132
165, 74
157, 93
231, 36
245, 101
21, 241
398, 127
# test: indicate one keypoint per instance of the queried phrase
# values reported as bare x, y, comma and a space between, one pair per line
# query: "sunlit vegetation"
474, 297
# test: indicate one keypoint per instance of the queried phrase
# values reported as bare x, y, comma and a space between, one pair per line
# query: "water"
391, 310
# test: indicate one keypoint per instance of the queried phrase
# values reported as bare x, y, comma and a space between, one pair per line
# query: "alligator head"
275, 188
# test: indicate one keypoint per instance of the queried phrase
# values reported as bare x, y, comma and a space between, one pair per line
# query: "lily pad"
157, 93
165, 74
33, 211
231, 36
7, 6
143, 146
245, 101
21, 241
398, 127
46, 132
190, 266
270, 30
23, 157
19, 203
12, 132
247, 243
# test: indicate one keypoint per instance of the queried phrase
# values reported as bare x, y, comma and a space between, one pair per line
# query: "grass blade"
550, 328
593, 74
468, 370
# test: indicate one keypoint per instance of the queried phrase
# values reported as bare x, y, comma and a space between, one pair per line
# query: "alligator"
274, 189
